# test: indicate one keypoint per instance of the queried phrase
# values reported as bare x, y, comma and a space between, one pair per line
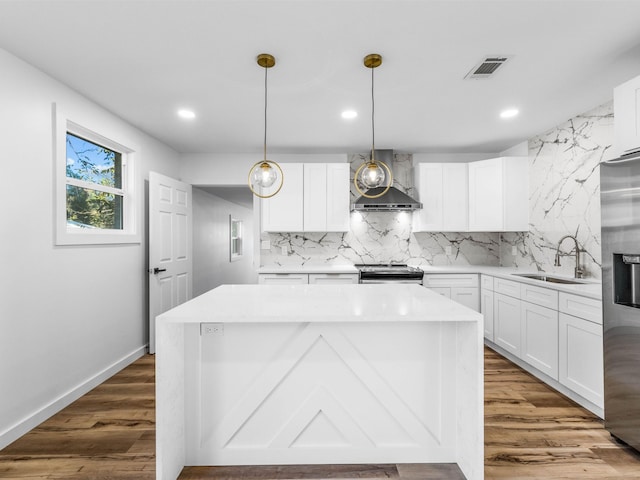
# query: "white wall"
211, 265
69, 316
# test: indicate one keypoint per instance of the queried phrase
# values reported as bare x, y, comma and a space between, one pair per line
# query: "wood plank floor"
531, 432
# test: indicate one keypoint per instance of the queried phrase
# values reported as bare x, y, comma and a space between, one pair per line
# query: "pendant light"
372, 174
265, 177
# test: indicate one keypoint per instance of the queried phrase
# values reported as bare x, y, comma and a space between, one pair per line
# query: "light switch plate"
514, 250
265, 245
285, 251
447, 250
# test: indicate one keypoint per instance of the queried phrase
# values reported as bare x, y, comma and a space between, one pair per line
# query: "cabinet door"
626, 106
580, 352
429, 185
486, 308
539, 342
284, 211
333, 278
506, 321
315, 197
516, 194
444, 291
455, 197
283, 278
467, 296
338, 197
486, 208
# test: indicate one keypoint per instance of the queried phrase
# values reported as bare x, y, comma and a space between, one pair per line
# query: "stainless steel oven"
389, 273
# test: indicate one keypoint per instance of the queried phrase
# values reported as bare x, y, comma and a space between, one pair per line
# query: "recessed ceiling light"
187, 114
349, 114
509, 113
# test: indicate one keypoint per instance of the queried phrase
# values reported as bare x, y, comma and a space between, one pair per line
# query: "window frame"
235, 256
64, 235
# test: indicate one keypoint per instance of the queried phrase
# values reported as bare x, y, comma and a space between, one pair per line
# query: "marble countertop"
591, 288
321, 303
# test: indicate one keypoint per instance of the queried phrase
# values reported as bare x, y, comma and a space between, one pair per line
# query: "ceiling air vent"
487, 67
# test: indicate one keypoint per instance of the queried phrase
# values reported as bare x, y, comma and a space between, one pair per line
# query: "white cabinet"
326, 197
626, 106
539, 338
443, 190
333, 278
314, 198
283, 278
499, 195
462, 288
506, 322
486, 305
304, 278
581, 367
284, 211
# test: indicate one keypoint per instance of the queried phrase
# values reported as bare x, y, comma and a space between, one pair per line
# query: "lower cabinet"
486, 308
283, 278
581, 365
305, 278
539, 338
461, 288
506, 322
556, 333
333, 278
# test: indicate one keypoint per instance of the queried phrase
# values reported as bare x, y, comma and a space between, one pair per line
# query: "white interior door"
170, 245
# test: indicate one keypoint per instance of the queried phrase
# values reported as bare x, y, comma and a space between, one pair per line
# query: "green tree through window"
94, 185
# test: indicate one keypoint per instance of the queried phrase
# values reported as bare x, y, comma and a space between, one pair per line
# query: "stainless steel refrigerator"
620, 202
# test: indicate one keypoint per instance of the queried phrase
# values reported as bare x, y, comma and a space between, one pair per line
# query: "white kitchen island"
319, 374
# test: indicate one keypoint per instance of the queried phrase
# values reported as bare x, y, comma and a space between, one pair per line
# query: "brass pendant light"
265, 177
372, 174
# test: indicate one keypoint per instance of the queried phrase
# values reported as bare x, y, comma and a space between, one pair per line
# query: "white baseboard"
36, 418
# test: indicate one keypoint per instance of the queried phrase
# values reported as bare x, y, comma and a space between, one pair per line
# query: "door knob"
158, 270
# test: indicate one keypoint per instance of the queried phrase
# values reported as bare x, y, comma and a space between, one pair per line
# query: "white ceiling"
145, 59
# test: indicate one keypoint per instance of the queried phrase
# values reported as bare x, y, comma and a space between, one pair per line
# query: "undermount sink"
546, 278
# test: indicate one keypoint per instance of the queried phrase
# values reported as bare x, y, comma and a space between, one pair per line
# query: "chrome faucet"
579, 272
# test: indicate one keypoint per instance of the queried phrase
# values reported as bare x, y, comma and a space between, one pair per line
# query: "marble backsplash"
382, 237
564, 195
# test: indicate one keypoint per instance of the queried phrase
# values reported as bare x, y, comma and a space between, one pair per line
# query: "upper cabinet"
443, 189
326, 197
314, 198
499, 195
284, 211
626, 106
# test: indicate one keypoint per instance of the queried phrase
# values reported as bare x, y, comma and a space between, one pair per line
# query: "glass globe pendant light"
373, 174
265, 177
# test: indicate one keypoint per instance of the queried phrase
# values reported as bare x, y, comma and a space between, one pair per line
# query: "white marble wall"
382, 237
564, 195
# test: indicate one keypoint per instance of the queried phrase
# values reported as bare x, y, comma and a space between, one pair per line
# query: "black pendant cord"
265, 114
373, 127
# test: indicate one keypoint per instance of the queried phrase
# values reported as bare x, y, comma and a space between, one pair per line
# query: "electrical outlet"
514, 250
212, 329
265, 245
285, 251
447, 250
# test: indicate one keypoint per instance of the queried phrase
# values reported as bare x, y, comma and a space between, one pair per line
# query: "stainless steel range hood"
392, 201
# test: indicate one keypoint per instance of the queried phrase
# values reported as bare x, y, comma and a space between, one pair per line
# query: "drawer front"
444, 291
544, 297
283, 278
486, 282
506, 287
451, 280
333, 278
583, 307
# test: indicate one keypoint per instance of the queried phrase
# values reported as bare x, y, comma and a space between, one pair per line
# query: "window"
235, 239
95, 201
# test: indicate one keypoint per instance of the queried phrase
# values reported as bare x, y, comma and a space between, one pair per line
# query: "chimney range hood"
392, 201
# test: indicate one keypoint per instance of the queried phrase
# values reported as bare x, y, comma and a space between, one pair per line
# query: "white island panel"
321, 374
